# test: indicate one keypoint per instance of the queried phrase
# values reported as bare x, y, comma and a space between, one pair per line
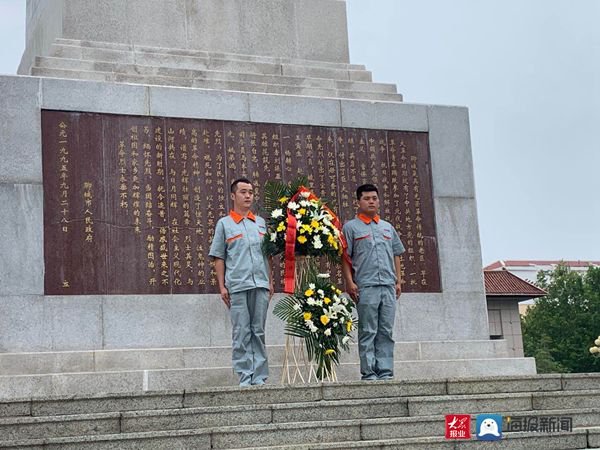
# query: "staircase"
102, 61
350, 415
23, 375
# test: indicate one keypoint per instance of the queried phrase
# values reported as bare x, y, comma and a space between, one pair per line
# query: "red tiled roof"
503, 283
537, 262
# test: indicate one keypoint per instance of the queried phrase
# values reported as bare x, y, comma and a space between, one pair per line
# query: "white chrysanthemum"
310, 301
305, 194
273, 237
317, 242
277, 213
304, 203
325, 231
312, 286
298, 216
321, 293
327, 332
293, 206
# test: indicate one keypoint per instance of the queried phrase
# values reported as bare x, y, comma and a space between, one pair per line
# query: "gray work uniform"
237, 241
372, 247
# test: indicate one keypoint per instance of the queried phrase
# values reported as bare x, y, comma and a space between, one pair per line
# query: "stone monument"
119, 138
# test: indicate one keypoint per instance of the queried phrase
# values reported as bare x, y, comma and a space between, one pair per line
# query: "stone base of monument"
139, 370
565, 410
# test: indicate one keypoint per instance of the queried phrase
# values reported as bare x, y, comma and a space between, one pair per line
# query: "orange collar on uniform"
367, 219
237, 218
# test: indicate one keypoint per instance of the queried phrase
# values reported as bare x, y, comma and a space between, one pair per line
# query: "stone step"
162, 71
205, 54
194, 418
587, 438
340, 434
383, 419
214, 84
25, 386
423, 394
206, 63
193, 357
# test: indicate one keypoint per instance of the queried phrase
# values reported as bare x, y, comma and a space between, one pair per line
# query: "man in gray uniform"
245, 282
373, 282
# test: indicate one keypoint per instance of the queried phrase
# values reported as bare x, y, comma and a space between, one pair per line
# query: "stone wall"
31, 321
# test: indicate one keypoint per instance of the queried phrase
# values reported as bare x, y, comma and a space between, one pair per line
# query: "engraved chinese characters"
131, 202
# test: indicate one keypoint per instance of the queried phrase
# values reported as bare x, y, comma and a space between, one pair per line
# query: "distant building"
504, 291
528, 269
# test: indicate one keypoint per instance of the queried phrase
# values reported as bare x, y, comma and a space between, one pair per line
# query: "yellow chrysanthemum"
307, 316
283, 199
324, 319
329, 351
307, 228
349, 326
327, 300
309, 292
302, 239
302, 211
281, 227
314, 224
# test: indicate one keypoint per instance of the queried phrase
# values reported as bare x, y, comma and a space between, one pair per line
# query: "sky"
529, 72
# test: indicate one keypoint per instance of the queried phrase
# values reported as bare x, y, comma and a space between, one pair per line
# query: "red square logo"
458, 426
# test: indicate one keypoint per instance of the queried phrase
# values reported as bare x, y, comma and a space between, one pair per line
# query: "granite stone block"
535, 383
23, 324
451, 316
580, 381
200, 104
384, 115
277, 434
321, 30
81, 334
383, 389
566, 399
21, 240
97, 20
270, 394
294, 110
132, 321
194, 418
49, 427
451, 158
424, 406
20, 130
15, 409
91, 404
409, 427
139, 359
94, 96
45, 362
340, 410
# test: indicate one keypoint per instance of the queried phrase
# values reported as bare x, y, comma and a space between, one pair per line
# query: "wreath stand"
296, 366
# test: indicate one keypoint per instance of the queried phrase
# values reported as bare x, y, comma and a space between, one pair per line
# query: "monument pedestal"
442, 313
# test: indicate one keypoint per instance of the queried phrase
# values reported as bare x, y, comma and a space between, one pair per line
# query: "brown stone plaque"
131, 202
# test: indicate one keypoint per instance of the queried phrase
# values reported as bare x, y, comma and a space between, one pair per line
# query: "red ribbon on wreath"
290, 240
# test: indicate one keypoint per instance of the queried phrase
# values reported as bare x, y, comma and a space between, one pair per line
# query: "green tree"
561, 327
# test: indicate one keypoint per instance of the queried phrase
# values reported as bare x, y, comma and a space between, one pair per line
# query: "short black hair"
365, 188
233, 187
